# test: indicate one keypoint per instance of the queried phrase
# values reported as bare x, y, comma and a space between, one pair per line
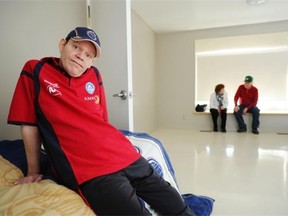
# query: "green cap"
248, 79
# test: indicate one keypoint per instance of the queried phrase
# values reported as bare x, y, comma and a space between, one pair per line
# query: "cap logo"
90, 88
85, 34
92, 35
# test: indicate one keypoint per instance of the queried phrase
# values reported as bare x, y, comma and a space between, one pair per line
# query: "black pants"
215, 114
117, 193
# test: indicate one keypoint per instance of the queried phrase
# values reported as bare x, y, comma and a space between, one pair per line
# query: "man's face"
76, 56
247, 85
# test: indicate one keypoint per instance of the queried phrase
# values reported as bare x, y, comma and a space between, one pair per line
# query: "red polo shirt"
71, 114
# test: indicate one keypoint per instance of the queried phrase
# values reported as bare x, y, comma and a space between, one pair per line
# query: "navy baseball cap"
85, 34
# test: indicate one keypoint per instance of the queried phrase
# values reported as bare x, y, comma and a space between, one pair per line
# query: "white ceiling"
182, 15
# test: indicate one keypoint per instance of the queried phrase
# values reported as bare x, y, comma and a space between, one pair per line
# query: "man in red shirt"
247, 96
61, 103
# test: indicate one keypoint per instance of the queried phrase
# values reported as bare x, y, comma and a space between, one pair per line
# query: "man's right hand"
30, 178
236, 108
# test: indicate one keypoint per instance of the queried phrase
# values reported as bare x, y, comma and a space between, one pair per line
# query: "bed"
50, 198
43, 198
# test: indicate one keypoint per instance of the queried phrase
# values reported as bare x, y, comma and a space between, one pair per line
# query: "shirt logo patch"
52, 88
90, 88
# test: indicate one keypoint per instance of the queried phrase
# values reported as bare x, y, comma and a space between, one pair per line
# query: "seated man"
61, 102
247, 95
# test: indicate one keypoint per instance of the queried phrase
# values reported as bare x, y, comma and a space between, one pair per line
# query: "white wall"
144, 83
175, 66
31, 29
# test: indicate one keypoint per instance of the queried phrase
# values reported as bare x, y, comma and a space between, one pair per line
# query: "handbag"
200, 108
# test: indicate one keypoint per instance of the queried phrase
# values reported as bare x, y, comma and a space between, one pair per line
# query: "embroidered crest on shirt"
90, 88
53, 88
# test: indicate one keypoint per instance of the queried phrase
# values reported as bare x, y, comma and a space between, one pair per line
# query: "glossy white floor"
246, 174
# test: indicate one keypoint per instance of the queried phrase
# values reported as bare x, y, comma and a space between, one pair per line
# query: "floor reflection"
246, 174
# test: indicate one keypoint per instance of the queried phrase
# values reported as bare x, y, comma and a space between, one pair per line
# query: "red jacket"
246, 97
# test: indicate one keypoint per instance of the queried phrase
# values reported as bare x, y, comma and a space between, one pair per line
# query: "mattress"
43, 198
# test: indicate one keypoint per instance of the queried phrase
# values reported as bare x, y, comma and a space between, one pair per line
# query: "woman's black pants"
215, 114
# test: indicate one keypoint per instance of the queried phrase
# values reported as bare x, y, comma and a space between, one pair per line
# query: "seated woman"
218, 106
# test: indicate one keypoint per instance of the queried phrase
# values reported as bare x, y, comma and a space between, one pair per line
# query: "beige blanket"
44, 198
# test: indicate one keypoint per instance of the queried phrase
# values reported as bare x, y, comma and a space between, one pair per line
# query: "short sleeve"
22, 109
